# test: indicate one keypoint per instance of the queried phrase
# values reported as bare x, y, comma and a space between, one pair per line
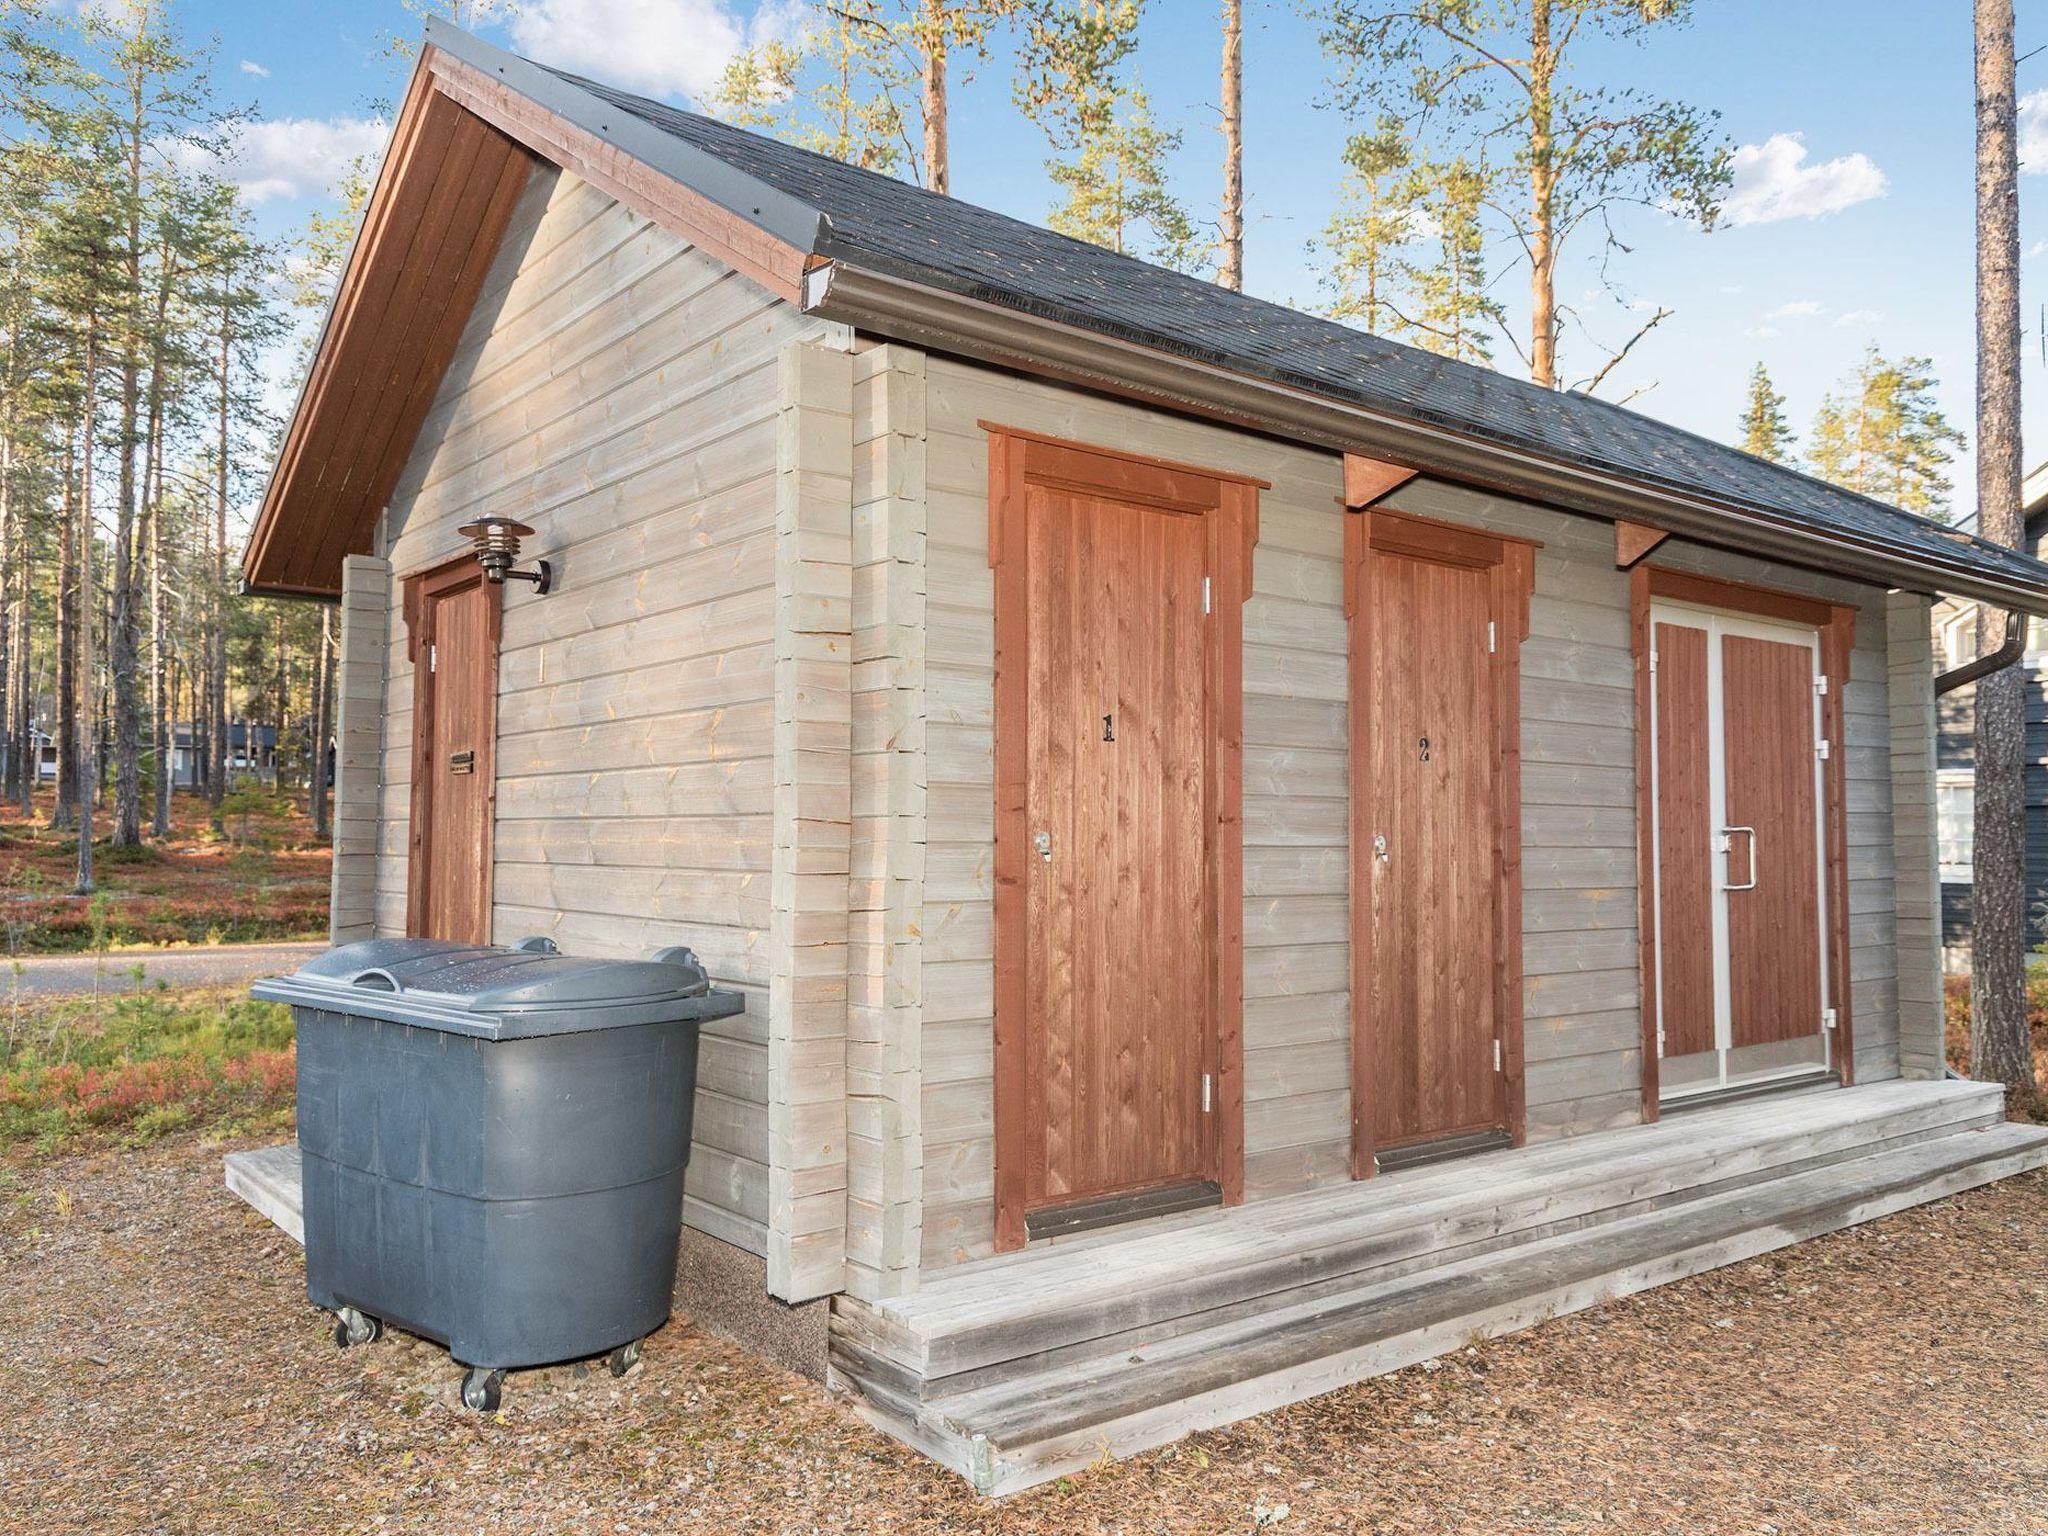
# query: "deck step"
1023, 1307
268, 1180
1015, 1432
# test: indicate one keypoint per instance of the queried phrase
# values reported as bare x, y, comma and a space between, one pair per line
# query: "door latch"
1041, 844
462, 762
1379, 848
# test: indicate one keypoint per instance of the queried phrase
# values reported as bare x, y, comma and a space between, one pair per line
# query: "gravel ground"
161, 1371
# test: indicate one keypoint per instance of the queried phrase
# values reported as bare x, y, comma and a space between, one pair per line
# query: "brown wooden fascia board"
684, 212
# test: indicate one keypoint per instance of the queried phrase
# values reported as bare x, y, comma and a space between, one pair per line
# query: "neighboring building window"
1955, 816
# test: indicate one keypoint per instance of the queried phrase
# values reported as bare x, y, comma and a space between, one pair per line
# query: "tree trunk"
159, 683
27, 758
1999, 1047
216, 602
937, 172
88, 743
64, 727
1230, 270
1542, 203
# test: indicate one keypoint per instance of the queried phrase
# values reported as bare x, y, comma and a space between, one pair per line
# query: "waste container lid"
501, 993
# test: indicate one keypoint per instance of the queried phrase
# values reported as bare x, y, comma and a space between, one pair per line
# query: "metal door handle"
1379, 848
1728, 848
1041, 844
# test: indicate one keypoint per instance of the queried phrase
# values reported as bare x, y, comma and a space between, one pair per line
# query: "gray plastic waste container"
493, 1143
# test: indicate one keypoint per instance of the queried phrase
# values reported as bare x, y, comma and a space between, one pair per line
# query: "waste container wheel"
623, 1359
482, 1390
354, 1327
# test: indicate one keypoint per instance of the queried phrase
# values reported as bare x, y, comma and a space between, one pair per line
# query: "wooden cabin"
1255, 853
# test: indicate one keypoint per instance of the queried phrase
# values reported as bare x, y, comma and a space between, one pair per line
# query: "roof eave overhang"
916, 312
754, 227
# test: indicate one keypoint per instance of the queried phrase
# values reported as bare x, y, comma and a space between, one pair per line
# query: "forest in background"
141, 313
137, 305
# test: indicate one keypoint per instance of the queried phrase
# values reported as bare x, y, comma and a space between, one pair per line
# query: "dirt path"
162, 1373
115, 971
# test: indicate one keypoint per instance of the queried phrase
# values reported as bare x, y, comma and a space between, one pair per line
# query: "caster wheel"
482, 1390
353, 1327
623, 1359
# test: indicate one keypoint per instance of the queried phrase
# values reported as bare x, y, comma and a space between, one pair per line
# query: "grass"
263, 877
132, 1067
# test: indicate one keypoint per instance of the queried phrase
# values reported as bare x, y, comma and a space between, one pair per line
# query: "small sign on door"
462, 762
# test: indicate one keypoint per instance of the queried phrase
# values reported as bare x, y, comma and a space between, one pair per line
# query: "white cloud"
2034, 132
289, 157
1854, 317
1763, 332
251, 67
1773, 182
659, 47
1794, 309
2035, 249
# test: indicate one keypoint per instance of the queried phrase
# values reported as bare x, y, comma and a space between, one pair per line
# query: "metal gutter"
2010, 650
950, 322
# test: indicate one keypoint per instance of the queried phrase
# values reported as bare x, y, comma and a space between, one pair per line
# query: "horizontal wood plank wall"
1297, 1010
618, 390
813, 797
358, 730
1867, 773
885, 946
1581, 1033
1910, 654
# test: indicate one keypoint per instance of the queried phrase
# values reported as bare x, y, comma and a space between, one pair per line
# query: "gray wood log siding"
1297, 1011
1582, 999
1914, 758
618, 390
358, 736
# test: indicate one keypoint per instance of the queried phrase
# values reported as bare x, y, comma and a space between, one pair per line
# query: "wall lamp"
496, 541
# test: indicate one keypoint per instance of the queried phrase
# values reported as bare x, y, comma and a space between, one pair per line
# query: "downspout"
2013, 648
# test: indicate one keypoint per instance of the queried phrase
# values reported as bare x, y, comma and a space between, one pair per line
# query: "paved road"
223, 965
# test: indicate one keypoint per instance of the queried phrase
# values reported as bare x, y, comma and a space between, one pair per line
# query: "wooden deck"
1021, 1368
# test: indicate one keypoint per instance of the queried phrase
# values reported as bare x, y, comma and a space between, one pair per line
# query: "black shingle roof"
888, 226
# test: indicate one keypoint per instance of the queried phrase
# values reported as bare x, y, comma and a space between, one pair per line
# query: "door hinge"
1821, 749
1496, 1055
1828, 1019
433, 659
1820, 683
1492, 637
1208, 1091
1208, 594
1653, 663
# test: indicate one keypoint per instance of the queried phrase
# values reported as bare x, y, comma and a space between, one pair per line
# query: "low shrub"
143, 1064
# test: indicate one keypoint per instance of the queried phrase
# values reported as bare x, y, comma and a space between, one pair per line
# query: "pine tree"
1765, 431
1495, 84
1375, 220
1116, 191
1453, 313
1881, 433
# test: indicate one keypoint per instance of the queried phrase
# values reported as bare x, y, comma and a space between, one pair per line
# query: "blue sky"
1858, 171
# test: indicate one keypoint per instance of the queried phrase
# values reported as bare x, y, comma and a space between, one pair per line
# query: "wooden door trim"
1512, 561
1836, 623
1229, 505
420, 590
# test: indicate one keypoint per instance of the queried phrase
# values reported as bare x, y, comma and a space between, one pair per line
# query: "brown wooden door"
1118, 964
1685, 823
455, 616
1774, 974
1436, 945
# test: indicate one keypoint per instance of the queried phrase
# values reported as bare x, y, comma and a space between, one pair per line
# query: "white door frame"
1717, 625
